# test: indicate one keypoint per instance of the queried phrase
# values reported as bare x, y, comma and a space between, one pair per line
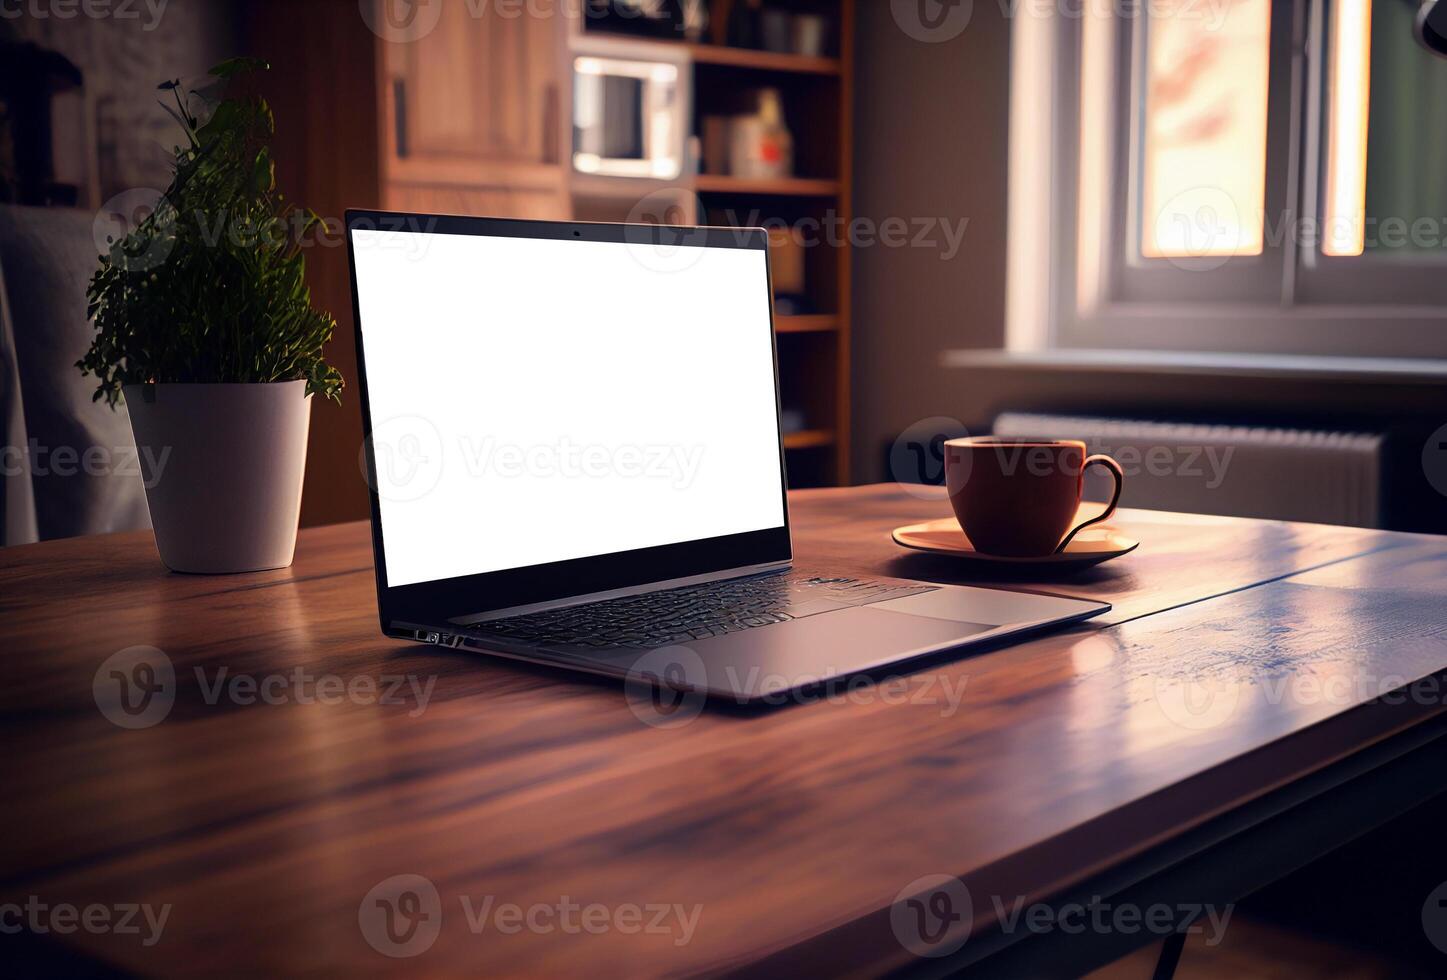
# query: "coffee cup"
1018, 497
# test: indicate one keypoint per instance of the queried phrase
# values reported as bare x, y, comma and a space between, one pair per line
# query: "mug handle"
1119, 475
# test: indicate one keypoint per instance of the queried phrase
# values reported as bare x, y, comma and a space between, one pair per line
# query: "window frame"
1062, 293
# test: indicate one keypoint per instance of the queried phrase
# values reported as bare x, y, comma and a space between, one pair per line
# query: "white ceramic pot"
225, 486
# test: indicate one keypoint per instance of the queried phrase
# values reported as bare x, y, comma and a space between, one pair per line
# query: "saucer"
1091, 546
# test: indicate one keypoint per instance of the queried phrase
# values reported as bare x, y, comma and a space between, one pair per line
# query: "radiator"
1240, 471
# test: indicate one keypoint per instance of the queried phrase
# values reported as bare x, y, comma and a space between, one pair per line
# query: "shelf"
473, 173
718, 54
783, 186
814, 323
808, 439
605, 42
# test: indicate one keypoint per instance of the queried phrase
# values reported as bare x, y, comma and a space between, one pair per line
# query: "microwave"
630, 116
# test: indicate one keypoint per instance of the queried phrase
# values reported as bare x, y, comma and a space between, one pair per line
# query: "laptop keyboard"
696, 612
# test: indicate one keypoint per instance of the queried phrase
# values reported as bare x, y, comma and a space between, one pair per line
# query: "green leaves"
263, 173
212, 285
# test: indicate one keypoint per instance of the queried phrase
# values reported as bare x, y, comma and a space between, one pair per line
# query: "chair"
69, 464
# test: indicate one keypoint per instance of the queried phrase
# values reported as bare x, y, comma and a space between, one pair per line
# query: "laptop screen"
539, 400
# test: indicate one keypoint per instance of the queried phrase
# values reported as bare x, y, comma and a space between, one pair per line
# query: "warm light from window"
1203, 142
1344, 218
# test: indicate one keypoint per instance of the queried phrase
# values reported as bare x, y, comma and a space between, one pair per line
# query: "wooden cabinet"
472, 114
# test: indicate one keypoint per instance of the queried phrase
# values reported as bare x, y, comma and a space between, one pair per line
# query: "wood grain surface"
1240, 655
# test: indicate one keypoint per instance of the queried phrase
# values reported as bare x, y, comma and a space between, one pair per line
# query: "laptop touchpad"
982, 607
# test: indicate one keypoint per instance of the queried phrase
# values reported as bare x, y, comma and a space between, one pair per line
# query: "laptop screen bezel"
441, 601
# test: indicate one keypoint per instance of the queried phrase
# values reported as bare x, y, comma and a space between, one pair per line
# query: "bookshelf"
475, 117
817, 94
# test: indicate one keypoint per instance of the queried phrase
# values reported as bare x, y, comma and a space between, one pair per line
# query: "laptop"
575, 457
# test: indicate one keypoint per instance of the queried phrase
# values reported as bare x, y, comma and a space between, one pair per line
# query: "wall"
326, 147
323, 89
123, 59
931, 121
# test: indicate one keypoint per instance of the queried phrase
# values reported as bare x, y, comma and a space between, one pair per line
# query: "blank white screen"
535, 401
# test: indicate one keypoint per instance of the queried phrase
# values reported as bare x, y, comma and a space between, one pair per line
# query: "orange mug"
1017, 497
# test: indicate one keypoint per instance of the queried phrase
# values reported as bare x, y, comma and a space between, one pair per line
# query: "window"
1229, 175
1203, 127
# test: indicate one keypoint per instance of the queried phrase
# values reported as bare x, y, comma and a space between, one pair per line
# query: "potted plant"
204, 325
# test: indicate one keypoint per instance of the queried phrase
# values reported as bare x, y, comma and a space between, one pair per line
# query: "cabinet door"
479, 88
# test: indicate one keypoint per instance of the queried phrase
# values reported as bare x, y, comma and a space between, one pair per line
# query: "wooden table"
1233, 691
